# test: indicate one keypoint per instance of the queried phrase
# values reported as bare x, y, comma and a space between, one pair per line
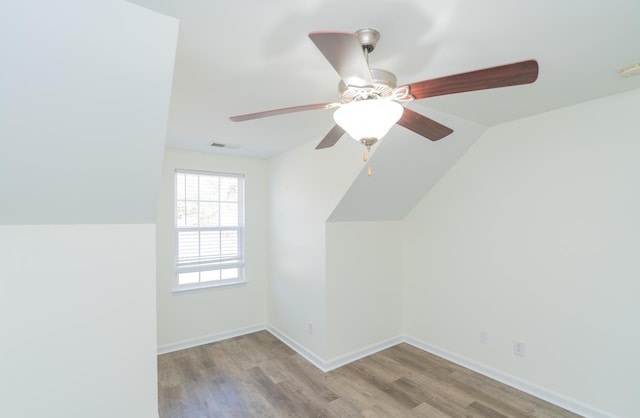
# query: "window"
209, 229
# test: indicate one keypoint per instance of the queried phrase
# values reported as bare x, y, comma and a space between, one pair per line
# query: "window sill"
195, 288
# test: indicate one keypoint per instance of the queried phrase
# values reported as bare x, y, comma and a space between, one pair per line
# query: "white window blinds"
209, 228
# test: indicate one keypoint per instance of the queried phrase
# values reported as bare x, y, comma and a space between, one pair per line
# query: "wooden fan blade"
344, 52
422, 125
523, 72
284, 110
331, 138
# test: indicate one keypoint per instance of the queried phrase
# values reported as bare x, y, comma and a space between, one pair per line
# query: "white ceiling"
246, 56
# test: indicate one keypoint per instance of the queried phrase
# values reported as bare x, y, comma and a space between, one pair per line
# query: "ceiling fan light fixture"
368, 118
370, 102
630, 70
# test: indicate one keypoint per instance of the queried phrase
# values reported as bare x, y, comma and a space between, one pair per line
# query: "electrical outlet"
310, 327
484, 337
518, 348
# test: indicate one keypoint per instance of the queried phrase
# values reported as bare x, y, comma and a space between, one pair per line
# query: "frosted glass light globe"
368, 118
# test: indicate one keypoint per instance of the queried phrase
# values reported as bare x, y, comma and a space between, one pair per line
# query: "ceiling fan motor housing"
384, 83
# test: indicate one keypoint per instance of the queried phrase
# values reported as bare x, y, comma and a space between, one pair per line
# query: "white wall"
189, 318
534, 235
364, 286
83, 111
77, 314
305, 185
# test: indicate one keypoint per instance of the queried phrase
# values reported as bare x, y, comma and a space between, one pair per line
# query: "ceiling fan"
370, 102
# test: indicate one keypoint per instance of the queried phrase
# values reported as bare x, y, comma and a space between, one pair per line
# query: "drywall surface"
83, 111
364, 286
77, 313
533, 236
404, 167
305, 185
197, 315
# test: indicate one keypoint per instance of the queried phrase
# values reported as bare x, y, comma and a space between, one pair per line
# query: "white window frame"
208, 264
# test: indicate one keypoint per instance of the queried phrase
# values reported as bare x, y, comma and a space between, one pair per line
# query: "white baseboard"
336, 362
532, 389
194, 342
358, 354
309, 355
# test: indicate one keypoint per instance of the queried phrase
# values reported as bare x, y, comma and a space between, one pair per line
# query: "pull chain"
365, 158
367, 142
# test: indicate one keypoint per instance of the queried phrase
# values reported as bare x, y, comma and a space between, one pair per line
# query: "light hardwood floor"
256, 375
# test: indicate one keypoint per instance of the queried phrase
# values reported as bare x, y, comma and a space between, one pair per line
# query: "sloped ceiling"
403, 169
83, 110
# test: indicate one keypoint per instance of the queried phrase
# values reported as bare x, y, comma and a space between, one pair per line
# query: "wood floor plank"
273, 369
363, 396
436, 382
439, 400
256, 375
424, 410
306, 383
384, 390
486, 411
307, 404
281, 403
529, 405
341, 408
273, 347
380, 367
